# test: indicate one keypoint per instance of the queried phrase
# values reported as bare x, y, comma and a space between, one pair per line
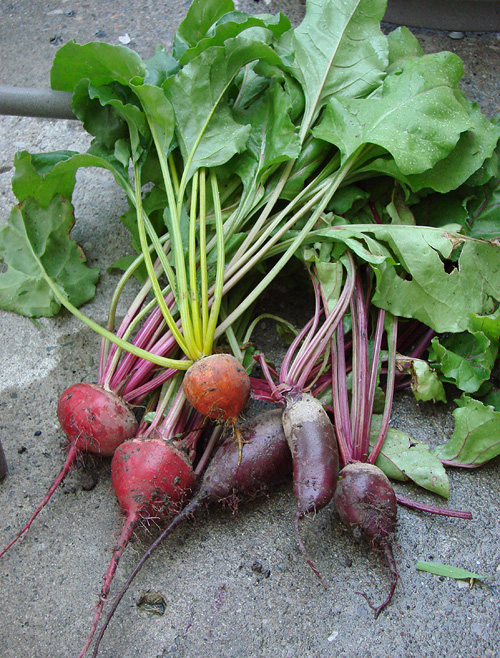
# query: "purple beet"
366, 502
313, 445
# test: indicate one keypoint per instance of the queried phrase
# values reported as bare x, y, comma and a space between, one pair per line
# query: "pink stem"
126, 534
389, 395
442, 511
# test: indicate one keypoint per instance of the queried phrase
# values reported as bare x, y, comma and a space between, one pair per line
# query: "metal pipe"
27, 102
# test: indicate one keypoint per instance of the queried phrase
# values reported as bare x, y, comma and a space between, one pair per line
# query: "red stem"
389, 395
64, 471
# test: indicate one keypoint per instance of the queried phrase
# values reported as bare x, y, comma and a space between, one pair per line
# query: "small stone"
456, 35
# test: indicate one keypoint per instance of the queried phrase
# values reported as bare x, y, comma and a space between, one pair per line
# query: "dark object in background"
470, 15
3, 463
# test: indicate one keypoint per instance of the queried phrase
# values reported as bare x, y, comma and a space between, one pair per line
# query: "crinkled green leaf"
416, 116
272, 138
160, 67
483, 206
339, 50
232, 24
398, 210
473, 149
348, 200
43, 175
402, 45
308, 162
447, 571
425, 382
35, 246
428, 284
403, 458
112, 114
476, 436
440, 210
464, 359
200, 17
331, 278
493, 400
98, 62
438, 291
159, 112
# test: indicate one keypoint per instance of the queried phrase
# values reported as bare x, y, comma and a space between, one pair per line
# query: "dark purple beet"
366, 502
265, 462
313, 445
314, 449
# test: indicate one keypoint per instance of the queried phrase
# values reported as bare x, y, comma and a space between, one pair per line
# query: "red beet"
95, 421
366, 502
266, 461
150, 477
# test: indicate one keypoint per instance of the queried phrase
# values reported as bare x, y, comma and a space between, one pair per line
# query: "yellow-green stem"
173, 170
203, 254
193, 292
141, 217
208, 337
142, 354
182, 292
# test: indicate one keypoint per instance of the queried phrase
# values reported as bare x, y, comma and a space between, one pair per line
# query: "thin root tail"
300, 541
394, 581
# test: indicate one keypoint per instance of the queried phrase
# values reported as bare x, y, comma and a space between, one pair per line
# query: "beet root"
313, 444
95, 421
266, 461
150, 477
366, 502
217, 386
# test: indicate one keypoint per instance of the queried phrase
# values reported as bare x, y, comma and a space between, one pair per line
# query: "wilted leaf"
402, 458
35, 247
476, 436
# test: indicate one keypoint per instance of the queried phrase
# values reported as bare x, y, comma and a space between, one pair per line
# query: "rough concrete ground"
233, 585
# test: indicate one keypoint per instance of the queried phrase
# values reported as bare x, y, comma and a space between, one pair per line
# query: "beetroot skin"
95, 420
366, 502
150, 476
217, 386
313, 445
265, 462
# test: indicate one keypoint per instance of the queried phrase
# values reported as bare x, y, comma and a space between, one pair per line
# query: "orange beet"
217, 386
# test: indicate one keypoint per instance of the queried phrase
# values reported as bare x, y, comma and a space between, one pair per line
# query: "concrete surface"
234, 585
